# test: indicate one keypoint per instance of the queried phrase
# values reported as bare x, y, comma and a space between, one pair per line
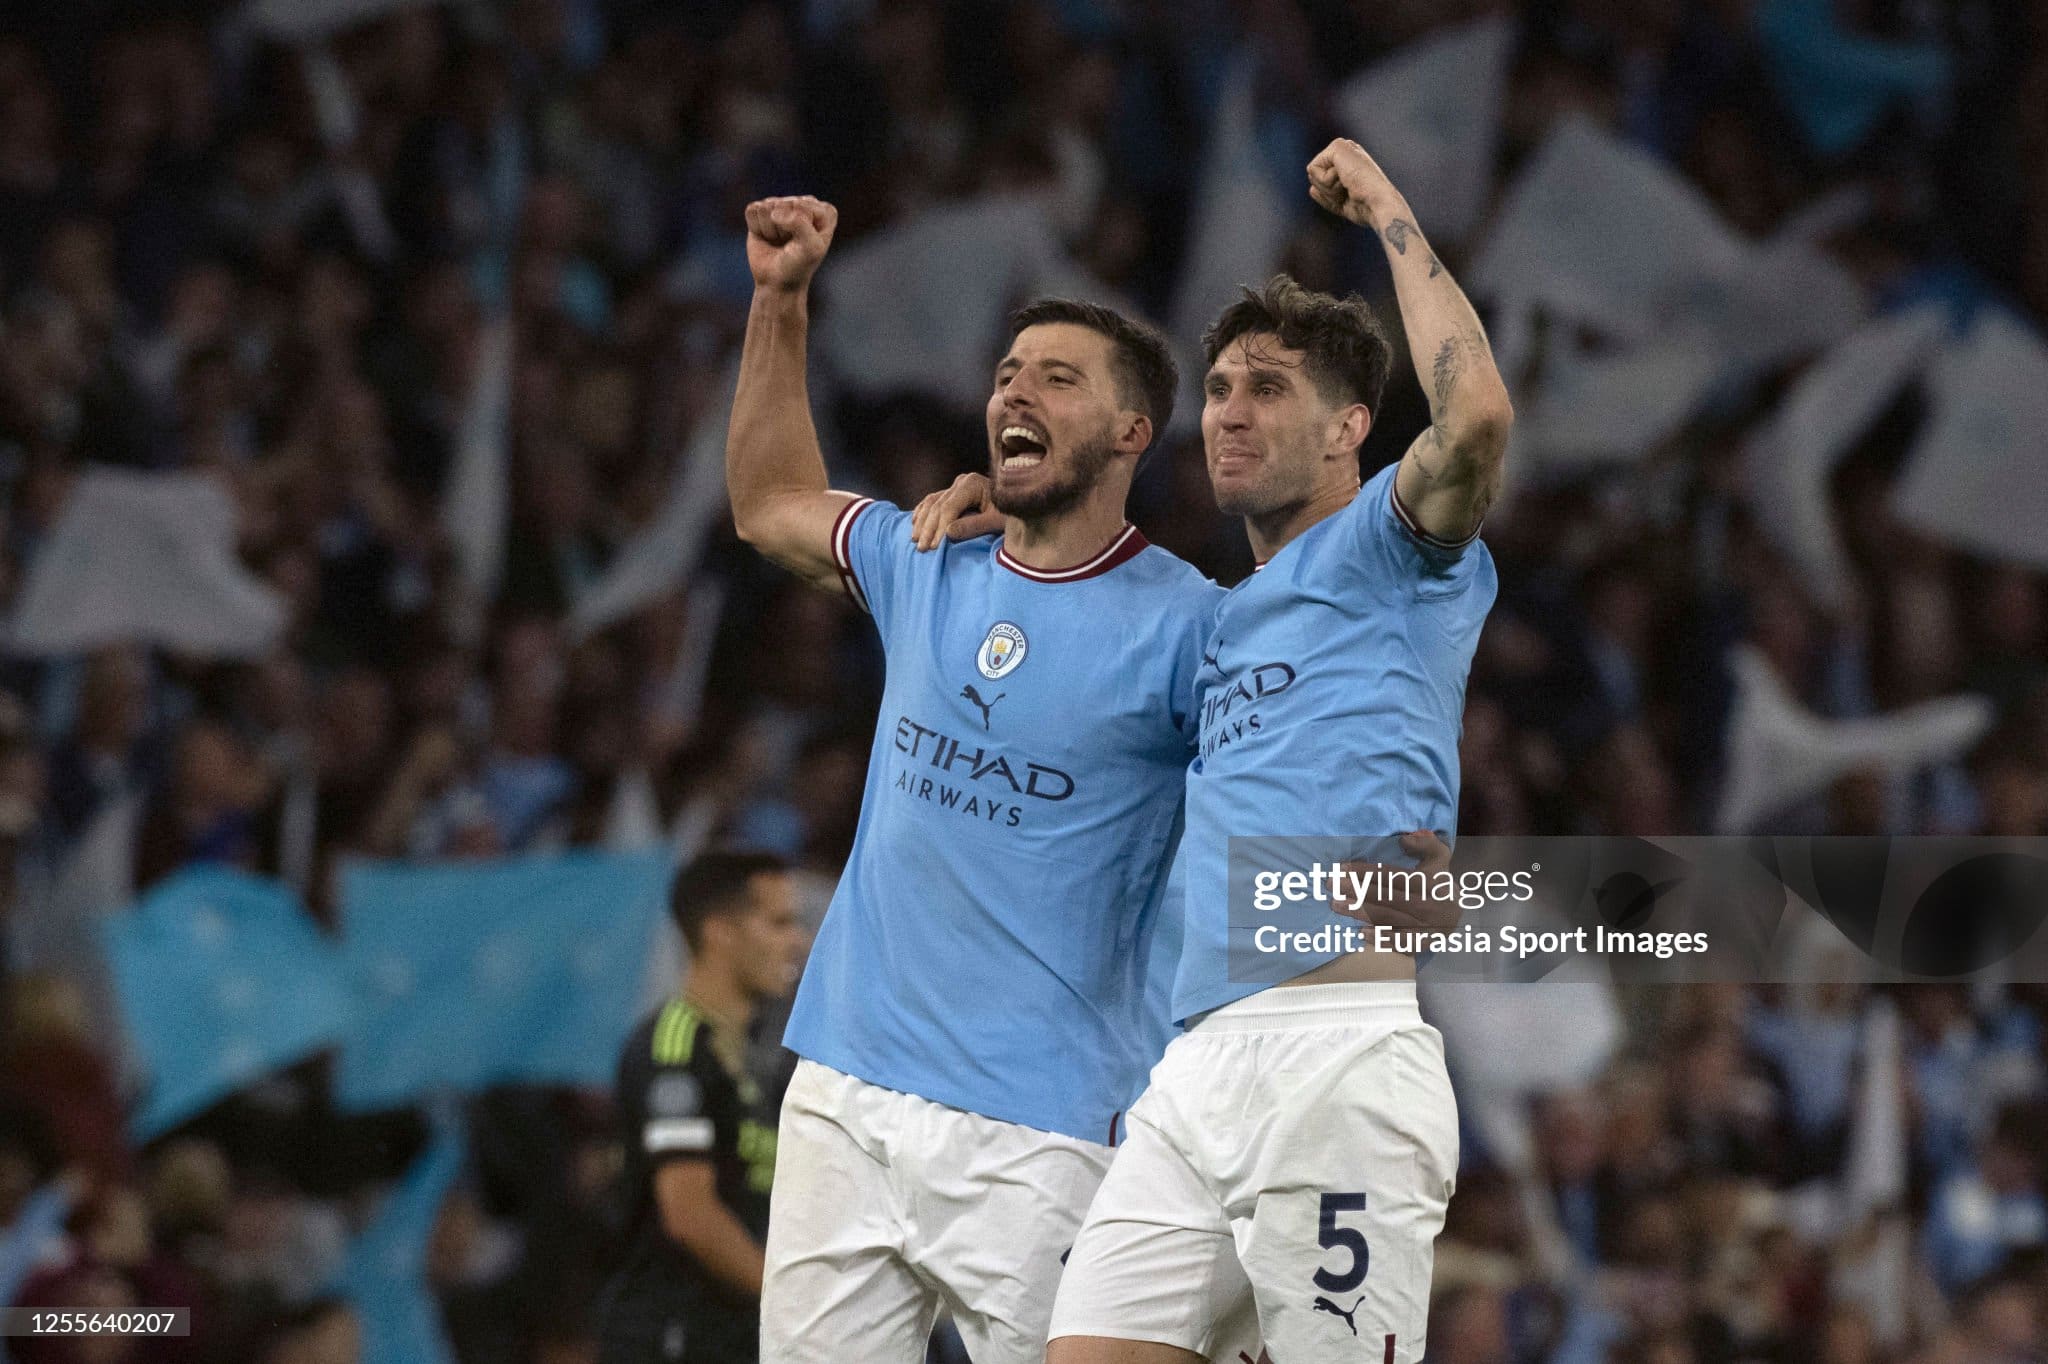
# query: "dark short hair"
1346, 354
1146, 374
714, 885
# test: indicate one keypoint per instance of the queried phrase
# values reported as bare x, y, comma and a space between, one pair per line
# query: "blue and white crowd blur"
362, 370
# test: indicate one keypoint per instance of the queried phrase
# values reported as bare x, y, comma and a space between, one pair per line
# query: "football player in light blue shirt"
1297, 1145
974, 1013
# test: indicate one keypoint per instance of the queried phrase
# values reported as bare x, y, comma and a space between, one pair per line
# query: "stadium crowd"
219, 254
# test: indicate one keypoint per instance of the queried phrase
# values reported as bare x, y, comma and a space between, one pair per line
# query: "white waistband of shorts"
1282, 1007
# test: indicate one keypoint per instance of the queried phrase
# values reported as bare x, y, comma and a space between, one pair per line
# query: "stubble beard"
1242, 502
1281, 483
1090, 460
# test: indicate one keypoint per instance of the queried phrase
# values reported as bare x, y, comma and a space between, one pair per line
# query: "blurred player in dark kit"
698, 1130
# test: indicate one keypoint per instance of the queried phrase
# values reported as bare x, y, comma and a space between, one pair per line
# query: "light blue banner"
473, 974
1839, 83
386, 1273
222, 979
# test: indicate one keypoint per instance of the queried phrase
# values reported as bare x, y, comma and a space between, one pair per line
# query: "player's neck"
1066, 538
1271, 532
719, 995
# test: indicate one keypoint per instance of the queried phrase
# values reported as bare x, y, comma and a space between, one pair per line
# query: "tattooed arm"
1451, 473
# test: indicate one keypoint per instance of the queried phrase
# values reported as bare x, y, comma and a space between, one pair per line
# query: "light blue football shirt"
1332, 698
988, 944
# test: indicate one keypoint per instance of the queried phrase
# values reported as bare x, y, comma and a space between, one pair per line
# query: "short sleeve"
1390, 547
871, 548
678, 1110
1195, 642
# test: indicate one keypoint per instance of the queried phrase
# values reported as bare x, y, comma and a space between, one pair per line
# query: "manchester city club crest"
1002, 651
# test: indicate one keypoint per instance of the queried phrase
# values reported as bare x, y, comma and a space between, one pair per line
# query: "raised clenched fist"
787, 238
1346, 180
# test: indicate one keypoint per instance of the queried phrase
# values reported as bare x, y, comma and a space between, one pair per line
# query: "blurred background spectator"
437, 303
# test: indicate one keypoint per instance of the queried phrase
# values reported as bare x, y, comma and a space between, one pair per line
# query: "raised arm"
774, 474
1452, 472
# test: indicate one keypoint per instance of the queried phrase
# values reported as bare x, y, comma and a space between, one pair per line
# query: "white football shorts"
887, 1208
1296, 1149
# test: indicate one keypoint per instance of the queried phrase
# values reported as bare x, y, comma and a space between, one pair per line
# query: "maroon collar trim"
1120, 550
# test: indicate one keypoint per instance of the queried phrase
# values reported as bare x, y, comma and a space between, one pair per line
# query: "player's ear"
1351, 425
1134, 434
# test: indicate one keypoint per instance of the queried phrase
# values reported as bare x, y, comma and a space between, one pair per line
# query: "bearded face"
1264, 427
1032, 495
1052, 419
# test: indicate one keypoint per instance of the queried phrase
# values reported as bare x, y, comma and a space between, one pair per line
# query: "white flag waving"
1430, 115
1599, 409
1566, 1033
1790, 299
1596, 233
1788, 461
479, 486
665, 553
1780, 753
1978, 477
1241, 220
632, 821
145, 558
921, 307
1601, 233
1878, 1161
56, 928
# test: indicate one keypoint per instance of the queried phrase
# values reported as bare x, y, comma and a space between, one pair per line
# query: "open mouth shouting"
1023, 445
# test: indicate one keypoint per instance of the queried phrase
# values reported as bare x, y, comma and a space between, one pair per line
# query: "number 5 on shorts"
1331, 1236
